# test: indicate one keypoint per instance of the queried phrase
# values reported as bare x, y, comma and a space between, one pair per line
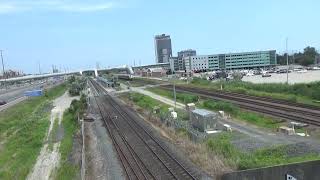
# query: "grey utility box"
202, 119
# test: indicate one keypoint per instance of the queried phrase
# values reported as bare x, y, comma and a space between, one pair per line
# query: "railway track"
142, 155
276, 108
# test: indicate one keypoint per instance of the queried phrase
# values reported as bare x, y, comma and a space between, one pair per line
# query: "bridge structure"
94, 72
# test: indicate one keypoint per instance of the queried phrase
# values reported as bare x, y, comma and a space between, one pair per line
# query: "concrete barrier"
299, 171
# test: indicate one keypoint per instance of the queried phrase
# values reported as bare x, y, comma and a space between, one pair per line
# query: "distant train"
124, 76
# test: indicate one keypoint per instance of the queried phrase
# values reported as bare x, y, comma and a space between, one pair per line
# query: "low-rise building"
196, 63
174, 64
142, 69
154, 72
182, 54
177, 63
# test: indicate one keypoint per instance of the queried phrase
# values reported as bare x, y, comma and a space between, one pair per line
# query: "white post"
174, 94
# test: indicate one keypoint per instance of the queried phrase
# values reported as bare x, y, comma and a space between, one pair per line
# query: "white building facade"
200, 63
245, 60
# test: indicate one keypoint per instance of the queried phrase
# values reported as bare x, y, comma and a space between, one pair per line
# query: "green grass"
303, 93
276, 155
23, 128
184, 98
250, 117
235, 111
67, 170
138, 82
147, 102
147, 81
53, 133
56, 91
221, 144
132, 83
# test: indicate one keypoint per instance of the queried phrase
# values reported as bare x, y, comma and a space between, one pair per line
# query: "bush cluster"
310, 90
76, 85
221, 106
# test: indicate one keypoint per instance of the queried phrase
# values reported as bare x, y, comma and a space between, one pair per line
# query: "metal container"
33, 93
203, 120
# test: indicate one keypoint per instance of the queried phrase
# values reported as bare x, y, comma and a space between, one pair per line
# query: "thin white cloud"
86, 8
13, 6
7, 8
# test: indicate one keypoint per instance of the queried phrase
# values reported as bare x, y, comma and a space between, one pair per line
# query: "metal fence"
179, 123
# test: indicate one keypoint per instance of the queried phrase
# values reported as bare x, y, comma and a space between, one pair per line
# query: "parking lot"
294, 77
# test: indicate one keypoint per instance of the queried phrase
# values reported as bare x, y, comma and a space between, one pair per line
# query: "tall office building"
163, 49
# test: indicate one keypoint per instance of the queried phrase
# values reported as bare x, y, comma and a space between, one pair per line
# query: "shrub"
221, 106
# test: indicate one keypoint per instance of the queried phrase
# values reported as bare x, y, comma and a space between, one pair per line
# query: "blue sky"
77, 34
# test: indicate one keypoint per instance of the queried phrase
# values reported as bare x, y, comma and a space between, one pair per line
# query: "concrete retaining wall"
301, 171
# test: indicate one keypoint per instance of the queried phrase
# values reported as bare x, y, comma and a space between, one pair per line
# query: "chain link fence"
180, 123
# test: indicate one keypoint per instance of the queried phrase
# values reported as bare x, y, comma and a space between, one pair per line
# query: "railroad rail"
141, 154
276, 108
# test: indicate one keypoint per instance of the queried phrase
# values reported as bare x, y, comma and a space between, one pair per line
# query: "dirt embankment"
49, 156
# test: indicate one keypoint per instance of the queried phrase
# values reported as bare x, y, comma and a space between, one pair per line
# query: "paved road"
16, 95
158, 97
13, 94
13, 88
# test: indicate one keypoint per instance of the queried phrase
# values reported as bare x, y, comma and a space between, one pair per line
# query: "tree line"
305, 58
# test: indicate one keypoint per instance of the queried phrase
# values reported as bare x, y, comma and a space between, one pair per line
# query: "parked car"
266, 75
2, 102
280, 71
302, 71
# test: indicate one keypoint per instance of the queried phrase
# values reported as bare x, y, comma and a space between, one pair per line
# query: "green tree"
71, 79
307, 60
310, 52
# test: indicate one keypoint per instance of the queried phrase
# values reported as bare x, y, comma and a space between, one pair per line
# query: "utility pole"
287, 61
39, 67
174, 93
5, 78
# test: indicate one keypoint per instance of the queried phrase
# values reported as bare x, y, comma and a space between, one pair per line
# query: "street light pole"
174, 93
5, 79
287, 61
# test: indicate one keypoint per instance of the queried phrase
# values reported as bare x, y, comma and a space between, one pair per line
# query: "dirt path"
158, 97
49, 157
